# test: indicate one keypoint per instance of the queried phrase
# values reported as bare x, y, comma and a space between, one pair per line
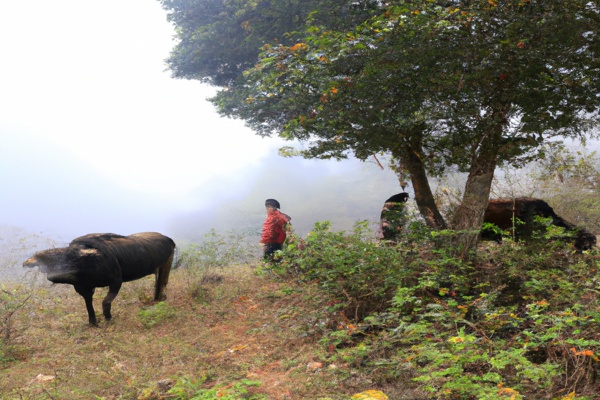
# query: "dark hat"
272, 203
398, 198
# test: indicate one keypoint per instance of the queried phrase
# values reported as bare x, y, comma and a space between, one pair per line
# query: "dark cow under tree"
107, 259
518, 215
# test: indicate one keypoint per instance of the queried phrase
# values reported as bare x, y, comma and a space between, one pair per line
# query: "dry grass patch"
218, 327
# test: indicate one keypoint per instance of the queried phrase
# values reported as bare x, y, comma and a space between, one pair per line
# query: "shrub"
514, 320
514, 323
201, 261
219, 250
360, 273
11, 303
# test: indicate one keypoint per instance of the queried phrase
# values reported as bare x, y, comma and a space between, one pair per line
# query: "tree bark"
411, 159
469, 214
423, 194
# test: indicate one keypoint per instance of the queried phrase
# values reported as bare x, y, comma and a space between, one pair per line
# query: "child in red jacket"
273, 233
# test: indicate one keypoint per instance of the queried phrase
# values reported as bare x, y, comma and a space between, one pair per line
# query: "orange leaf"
298, 46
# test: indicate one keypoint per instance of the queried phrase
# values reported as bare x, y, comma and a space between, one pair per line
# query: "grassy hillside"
228, 328
339, 315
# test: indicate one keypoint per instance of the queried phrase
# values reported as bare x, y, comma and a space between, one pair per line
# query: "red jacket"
274, 227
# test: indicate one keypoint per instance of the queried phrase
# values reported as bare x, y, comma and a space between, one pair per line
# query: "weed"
156, 314
187, 389
11, 303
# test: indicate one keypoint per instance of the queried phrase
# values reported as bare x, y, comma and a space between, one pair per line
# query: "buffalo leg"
161, 279
88, 293
113, 291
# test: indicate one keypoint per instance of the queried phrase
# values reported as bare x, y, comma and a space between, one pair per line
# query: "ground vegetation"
339, 314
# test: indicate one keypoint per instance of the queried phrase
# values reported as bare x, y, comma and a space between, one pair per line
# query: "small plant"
188, 389
491, 232
156, 314
11, 302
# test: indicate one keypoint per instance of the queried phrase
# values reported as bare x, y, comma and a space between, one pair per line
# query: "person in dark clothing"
393, 216
273, 233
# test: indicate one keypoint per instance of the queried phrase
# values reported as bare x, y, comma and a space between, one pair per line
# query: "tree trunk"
423, 194
469, 214
411, 159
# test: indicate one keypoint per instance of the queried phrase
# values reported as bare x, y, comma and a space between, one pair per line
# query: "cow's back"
135, 255
141, 254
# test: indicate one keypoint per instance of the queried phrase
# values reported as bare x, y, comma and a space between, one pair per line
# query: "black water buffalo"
107, 259
506, 214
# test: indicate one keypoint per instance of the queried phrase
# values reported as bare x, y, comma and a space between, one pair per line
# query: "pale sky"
96, 136
90, 76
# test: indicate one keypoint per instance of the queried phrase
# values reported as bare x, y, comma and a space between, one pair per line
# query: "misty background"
95, 136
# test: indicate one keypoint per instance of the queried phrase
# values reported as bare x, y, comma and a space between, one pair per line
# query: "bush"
202, 261
361, 274
515, 320
218, 250
11, 303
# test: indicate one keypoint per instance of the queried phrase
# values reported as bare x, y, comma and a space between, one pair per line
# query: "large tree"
220, 39
470, 84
